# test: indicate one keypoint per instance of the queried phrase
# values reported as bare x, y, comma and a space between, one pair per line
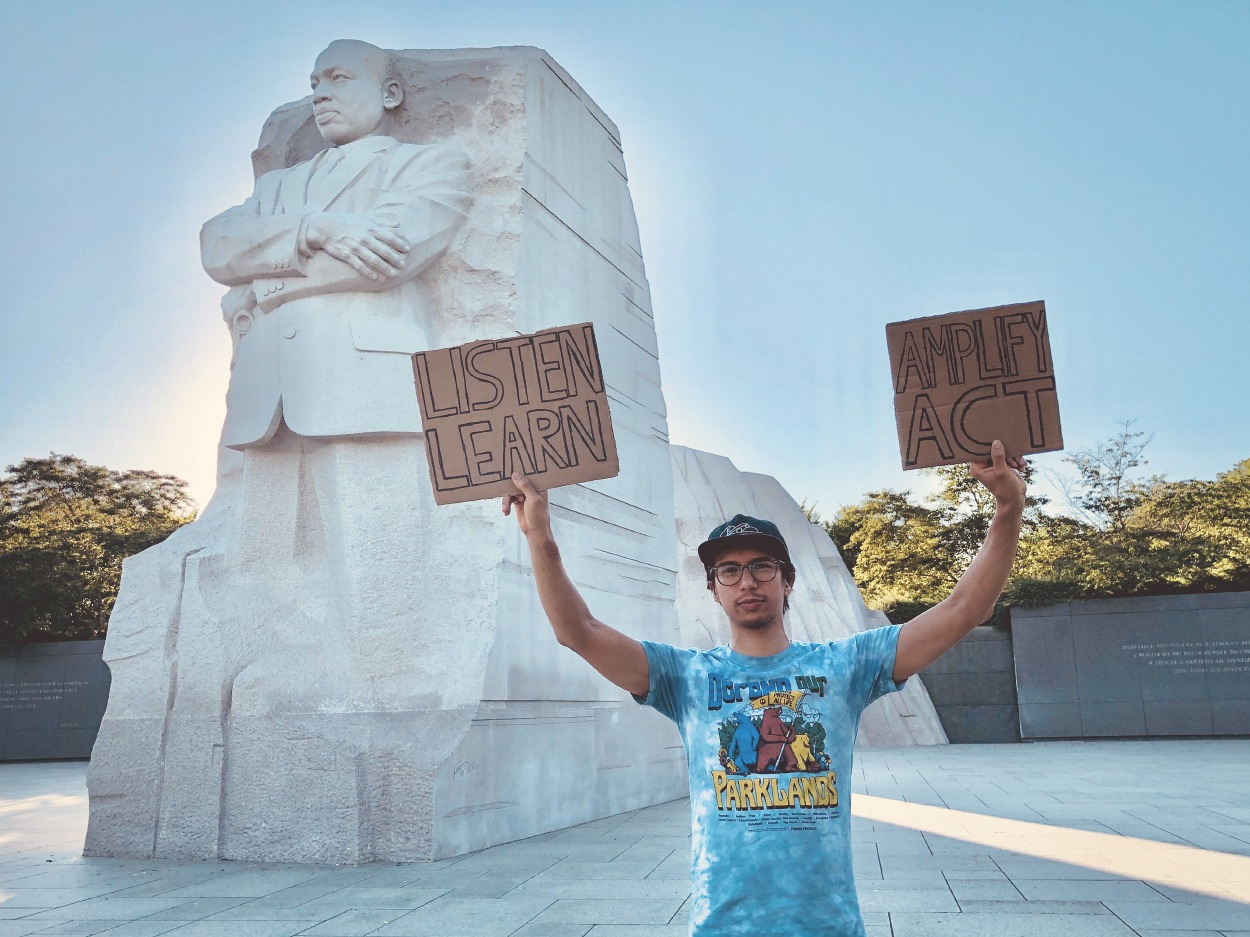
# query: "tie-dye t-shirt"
769, 744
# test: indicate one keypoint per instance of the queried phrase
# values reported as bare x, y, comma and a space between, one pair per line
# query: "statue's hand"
369, 243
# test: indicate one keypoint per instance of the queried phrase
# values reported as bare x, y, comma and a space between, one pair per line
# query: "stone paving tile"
247, 884
467, 917
942, 863
20, 928
965, 891
638, 930
1007, 925
1211, 914
132, 928
361, 897
917, 877
618, 910
1059, 871
50, 897
84, 928
196, 910
621, 870
919, 899
354, 923
1050, 889
110, 909
596, 889
494, 885
1032, 907
238, 929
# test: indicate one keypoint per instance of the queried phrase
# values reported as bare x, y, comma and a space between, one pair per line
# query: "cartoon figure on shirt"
742, 751
775, 733
809, 743
775, 753
802, 749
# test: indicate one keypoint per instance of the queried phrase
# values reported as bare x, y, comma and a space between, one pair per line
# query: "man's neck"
762, 643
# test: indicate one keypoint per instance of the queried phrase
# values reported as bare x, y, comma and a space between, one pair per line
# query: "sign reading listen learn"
965, 379
536, 404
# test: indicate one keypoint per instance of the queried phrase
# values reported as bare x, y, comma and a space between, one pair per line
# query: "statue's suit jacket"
322, 346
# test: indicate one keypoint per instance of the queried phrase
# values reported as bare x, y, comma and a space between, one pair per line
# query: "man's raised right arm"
617, 656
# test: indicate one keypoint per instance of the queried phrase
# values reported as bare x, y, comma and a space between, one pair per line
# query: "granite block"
1105, 672
1045, 660
1113, 719
28, 745
1230, 716
1050, 720
980, 724
1178, 717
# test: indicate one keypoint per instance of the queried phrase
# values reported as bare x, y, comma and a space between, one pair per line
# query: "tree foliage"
1123, 534
65, 527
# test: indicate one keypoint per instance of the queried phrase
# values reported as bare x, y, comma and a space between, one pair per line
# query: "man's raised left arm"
931, 634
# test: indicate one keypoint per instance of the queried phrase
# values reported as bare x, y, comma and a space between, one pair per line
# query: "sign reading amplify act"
964, 379
536, 404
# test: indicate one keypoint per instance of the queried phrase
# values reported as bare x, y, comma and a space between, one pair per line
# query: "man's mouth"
750, 603
322, 116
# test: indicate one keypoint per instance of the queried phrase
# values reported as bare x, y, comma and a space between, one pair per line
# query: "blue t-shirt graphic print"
769, 744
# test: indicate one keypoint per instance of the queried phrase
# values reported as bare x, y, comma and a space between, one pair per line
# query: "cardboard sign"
532, 403
965, 379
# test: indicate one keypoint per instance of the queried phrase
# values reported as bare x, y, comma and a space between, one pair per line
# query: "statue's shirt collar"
371, 144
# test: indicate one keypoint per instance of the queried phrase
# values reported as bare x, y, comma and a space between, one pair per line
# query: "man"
326, 307
324, 258
771, 839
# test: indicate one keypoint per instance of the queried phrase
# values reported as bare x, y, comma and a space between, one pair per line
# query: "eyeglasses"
728, 574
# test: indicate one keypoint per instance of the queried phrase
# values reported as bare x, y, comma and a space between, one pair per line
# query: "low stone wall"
973, 688
1176, 665
52, 698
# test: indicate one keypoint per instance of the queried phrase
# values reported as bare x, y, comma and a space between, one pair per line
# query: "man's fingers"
998, 454
527, 487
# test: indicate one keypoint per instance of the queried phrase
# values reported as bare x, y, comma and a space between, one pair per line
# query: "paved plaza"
1079, 839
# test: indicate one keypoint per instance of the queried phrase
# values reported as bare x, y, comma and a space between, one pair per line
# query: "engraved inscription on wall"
1185, 657
36, 694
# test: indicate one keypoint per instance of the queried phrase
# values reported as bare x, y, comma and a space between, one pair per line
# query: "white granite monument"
326, 667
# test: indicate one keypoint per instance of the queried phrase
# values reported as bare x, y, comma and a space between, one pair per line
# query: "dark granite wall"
973, 688
1135, 668
52, 698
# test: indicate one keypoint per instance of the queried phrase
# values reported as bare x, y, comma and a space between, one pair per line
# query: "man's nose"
321, 92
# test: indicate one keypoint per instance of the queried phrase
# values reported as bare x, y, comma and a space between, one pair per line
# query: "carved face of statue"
352, 97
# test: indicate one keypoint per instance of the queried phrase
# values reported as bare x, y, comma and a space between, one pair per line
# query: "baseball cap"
742, 530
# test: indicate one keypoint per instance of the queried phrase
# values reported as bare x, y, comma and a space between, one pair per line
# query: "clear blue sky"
803, 173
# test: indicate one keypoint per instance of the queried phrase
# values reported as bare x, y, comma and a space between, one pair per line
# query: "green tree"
1150, 535
896, 551
1125, 534
65, 527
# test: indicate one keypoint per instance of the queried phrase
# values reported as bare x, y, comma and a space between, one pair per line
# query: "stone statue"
324, 263
326, 666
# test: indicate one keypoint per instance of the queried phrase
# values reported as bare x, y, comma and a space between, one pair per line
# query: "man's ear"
711, 587
392, 94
